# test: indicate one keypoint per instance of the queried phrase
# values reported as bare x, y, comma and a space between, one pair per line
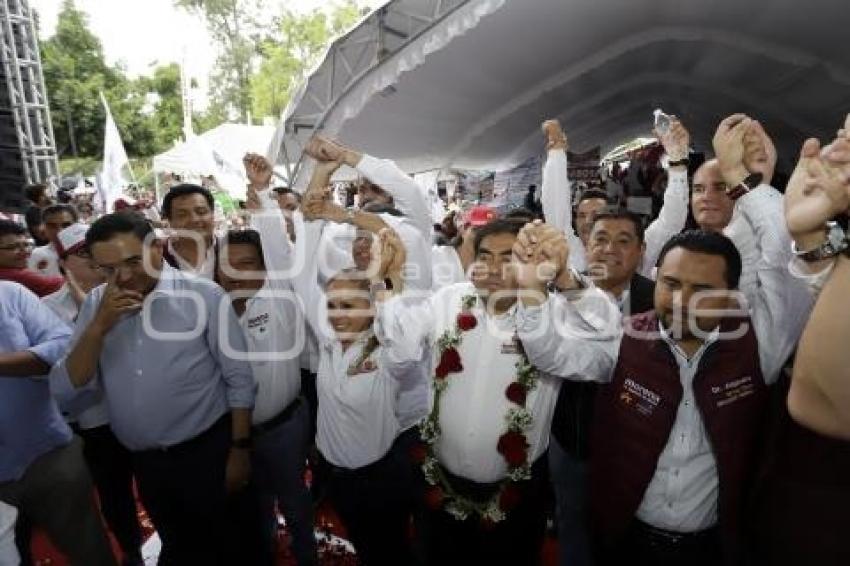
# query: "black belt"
218, 427
483, 491
280, 418
661, 538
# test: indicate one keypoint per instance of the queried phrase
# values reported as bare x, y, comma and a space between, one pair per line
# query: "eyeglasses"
22, 246
131, 263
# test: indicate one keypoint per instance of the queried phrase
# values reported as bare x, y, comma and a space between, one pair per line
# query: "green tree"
75, 72
292, 51
166, 119
236, 25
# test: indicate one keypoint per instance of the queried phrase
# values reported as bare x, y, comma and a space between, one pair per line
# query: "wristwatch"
745, 186
836, 243
684, 161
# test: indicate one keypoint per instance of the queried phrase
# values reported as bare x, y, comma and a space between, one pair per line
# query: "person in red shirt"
15, 250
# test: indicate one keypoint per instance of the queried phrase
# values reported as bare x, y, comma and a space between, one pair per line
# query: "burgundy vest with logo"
635, 414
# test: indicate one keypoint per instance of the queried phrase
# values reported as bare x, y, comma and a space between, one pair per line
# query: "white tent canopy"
434, 84
217, 152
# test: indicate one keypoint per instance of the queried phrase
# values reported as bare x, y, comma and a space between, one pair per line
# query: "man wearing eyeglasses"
15, 250
156, 342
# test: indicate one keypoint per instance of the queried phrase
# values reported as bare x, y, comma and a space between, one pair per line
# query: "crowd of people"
668, 390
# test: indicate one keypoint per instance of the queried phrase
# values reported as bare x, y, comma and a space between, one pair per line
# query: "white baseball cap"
71, 239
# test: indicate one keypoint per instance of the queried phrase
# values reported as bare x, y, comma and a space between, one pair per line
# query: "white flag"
113, 180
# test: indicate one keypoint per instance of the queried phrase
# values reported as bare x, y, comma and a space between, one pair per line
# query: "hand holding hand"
540, 255
816, 192
759, 152
388, 257
728, 145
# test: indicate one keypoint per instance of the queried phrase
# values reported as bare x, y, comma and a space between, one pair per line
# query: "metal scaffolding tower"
26, 132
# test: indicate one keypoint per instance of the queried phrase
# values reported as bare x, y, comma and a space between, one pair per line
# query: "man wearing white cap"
108, 461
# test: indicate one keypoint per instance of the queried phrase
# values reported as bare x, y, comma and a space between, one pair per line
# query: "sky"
143, 34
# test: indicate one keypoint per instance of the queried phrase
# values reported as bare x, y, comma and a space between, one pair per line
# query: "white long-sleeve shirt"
682, 495
473, 406
414, 229
557, 208
360, 415
273, 323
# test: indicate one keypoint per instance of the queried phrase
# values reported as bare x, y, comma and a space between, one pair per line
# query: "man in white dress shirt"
485, 492
256, 278
557, 201
190, 210
677, 431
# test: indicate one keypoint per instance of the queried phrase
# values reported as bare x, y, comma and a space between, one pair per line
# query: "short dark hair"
124, 222
60, 209
10, 227
593, 194
520, 214
621, 214
494, 228
287, 191
246, 237
182, 190
35, 191
710, 243
382, 208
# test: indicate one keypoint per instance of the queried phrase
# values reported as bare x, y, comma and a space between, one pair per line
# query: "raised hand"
759, 152
817, 191
388, 258
676, 141
728, 145
540, 255
323, 149
258, 170
252, 199
555, 136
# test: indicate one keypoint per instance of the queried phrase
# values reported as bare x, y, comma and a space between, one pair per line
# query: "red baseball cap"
479, 216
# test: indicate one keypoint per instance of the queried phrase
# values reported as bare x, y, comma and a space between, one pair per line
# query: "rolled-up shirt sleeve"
574, 338
46, 332
61, 387
237, 374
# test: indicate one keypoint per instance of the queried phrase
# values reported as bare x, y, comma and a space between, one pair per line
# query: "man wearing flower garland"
484, 442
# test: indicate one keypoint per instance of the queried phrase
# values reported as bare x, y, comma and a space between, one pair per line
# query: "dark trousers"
56, 494
111, 467
375, 503
643, 545
515, 541
183, 489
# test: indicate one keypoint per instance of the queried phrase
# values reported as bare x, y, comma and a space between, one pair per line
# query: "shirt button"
676, 473
138, 372
687, 403
139, 342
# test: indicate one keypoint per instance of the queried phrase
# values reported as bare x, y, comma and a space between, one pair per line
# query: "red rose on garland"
487, 524
516, 393
419, 452
509, 498
466, 321
434, 498
514, 448
449, 363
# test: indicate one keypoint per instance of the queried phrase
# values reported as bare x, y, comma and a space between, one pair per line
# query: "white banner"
112, 180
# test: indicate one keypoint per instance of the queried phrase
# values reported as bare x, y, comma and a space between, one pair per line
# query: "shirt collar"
674, 347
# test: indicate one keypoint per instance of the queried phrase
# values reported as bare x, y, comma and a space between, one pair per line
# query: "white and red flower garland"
513, 445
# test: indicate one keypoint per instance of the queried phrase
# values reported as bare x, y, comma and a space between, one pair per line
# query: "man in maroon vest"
677, 428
